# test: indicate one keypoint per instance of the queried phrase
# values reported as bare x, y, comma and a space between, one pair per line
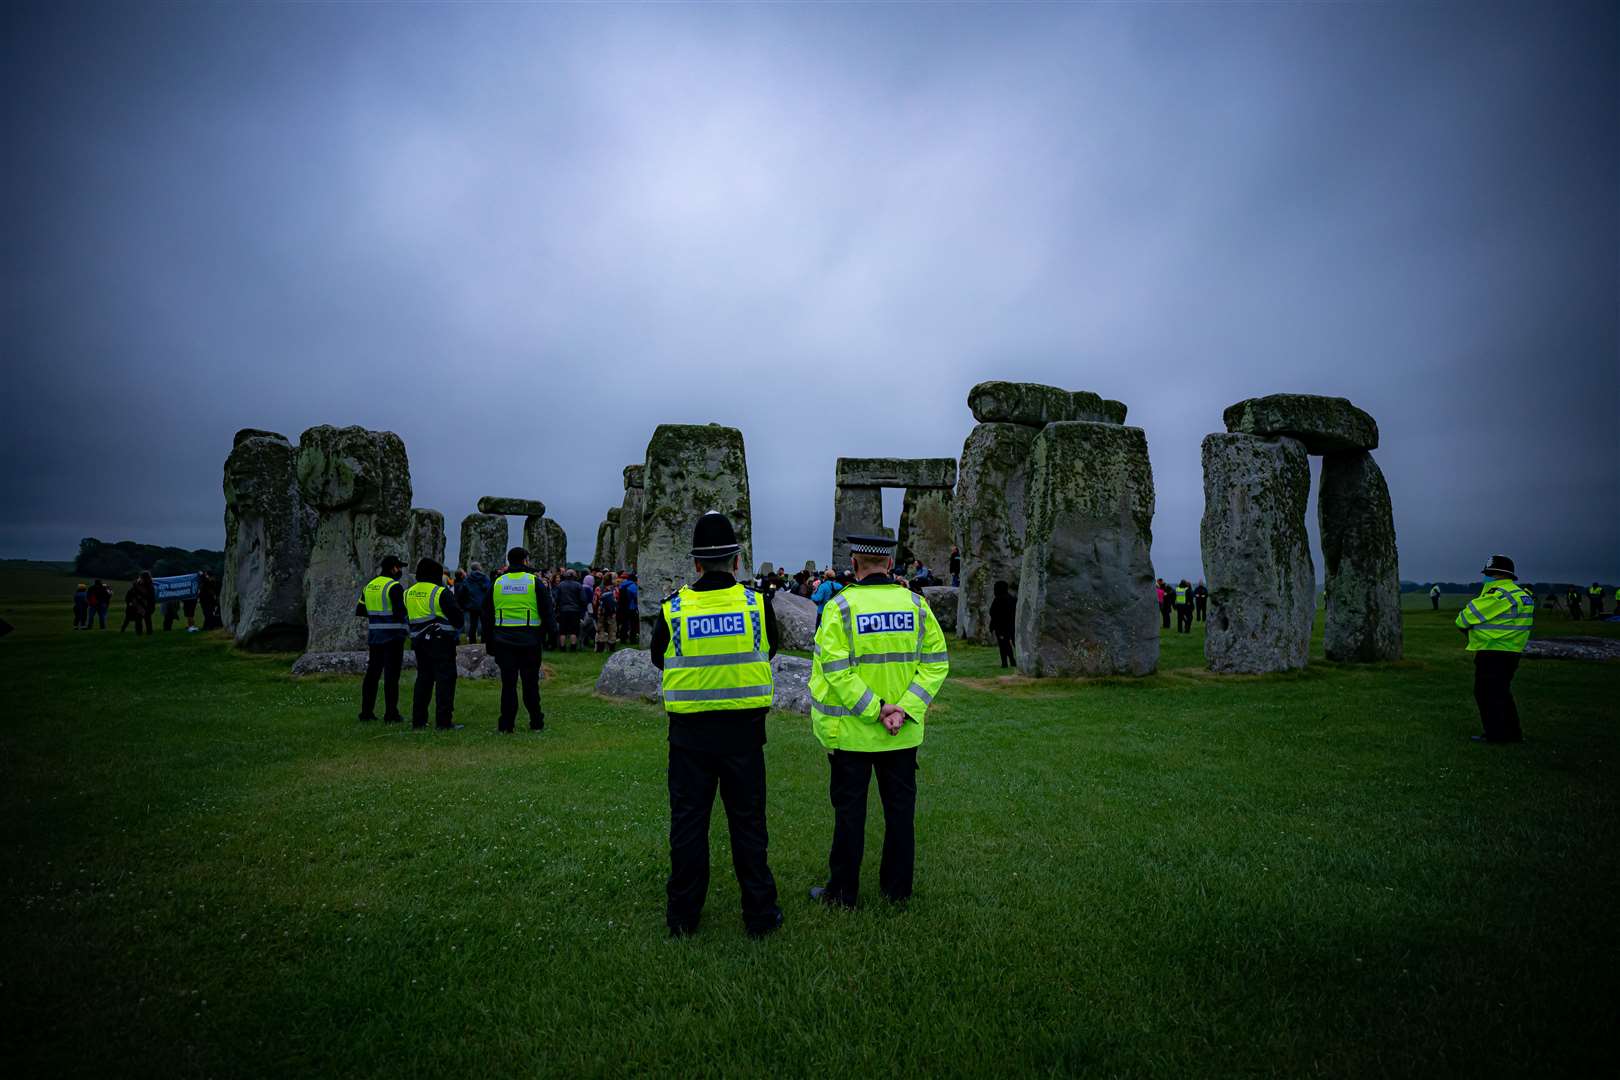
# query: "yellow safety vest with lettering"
876, 644
516, 602
1499, 618
1181, 595
381, 618
423, 609
719, 651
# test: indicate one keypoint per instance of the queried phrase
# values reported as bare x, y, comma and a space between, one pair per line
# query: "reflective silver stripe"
837, 665
1503, 626
838, 710
729, 693
1476, 612
715, 660
886, 658
928, 699
388, 626
917, 602
934, 658
849, 620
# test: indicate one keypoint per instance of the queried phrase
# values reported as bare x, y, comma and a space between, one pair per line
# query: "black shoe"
419, 727
538, 723
504, 731
681, 930
769, 928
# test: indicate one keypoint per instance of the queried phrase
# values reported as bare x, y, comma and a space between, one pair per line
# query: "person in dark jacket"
435, 621
208, 597
956, 567
1003, 609
140, 600
477, 607
100, 600
387, 630
720, 749
1201, 600
81, 608
572, 600
1167, 600
520, 612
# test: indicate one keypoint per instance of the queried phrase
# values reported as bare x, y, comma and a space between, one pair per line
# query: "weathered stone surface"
925, 530
1262, 586
494, 504
1573, 648
989, 518
484, 541
537, 541
943, 599
472, 662
615, 514
1085, 598
256, 433
1322, 424
896, 472
1360, 566
635, 476
795, 620
810, 566
766, 569
691, 469
360, 483
606, 545
1036, 405
626, 543
425, 538
268, 531
556, 543
629, 673
856, 510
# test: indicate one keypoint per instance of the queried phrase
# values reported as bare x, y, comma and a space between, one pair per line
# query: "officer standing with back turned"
714, 640
880, 660
522, 612
1497, 623
435, 621
382, 602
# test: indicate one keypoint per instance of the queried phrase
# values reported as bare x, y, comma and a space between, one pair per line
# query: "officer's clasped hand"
893, 717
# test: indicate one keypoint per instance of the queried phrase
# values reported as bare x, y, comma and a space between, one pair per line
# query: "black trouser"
1183, 618
1004, 642
1164, 612
1493, 691
1202, 604
143, 623
382, 662
1594, 604
740, 778
519, 661
1435, 601
435, 671
897, 788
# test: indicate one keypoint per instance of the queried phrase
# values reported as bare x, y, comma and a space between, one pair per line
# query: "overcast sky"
521, 236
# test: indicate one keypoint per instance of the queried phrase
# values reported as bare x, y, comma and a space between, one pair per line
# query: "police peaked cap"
713, 537
871, 545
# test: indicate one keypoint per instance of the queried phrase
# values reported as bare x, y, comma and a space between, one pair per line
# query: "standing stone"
626, 544
556, 543
691, 469
1359, 562
483, 541
1085, 600
1262, 586
810, 567
425, 539
359, 483
856, 509
606, 545
926, 531
268, 531
989, 516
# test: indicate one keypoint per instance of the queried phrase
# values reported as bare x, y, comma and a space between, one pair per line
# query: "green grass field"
212, 869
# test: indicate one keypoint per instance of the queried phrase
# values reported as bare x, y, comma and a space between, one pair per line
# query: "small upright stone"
1262, 586
1085, 600
483, 541
1321, 424
1361, 567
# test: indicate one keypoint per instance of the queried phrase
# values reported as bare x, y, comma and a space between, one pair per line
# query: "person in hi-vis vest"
1497, 624
519, 615
435, 620
880, 660
382, 602
714, 640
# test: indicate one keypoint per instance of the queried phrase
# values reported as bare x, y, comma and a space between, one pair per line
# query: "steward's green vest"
876, 643
381, 619
719, 651
422, 607
516, 602
1597, 591
1499, 618
1181, 595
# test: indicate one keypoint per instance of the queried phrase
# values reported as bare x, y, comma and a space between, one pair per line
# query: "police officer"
434, 618
522, 610
1497, 624
1184, 607
714, 640
382, 602
1594, 600
880, 660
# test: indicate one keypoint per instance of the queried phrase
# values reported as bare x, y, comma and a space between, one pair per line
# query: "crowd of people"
92, 602
598, 609
1189, 602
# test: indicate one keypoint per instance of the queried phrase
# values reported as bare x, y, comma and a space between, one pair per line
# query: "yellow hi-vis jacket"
381, 619
877, 644
1499, 618
425, 612
719, 654
1181, 596
516, 602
